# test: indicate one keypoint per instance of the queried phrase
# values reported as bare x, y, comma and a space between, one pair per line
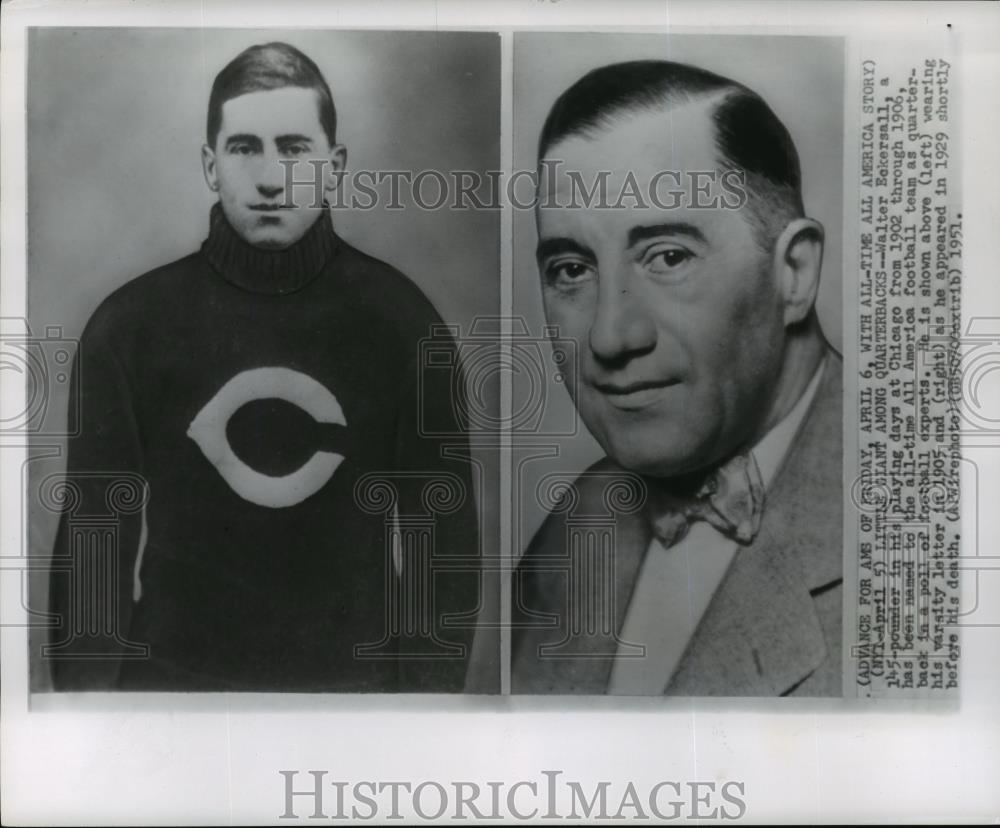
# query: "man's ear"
208, 167
798, 258
335, 168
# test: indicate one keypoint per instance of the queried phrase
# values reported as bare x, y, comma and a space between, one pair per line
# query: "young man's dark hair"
749, 136
270, 66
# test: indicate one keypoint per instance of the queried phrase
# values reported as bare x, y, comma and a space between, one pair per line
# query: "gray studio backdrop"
116, 119
802, 80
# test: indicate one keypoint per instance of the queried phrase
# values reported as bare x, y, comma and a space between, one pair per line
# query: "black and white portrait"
683, 260
267, 481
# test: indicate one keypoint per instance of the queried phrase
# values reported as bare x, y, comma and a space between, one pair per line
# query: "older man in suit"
702, 371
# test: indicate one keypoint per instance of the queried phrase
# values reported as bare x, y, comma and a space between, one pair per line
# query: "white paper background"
119, 759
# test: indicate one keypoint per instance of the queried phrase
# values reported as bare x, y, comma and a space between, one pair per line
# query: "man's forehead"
273, 112
679, 137
649, 163
630, 223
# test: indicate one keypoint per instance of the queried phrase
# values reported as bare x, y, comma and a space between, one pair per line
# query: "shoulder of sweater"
133, 303
381, 279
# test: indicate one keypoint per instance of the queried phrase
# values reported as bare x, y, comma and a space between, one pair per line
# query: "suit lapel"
761, 635
580, 568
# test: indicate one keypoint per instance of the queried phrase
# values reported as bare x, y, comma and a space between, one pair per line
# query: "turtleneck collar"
268, 271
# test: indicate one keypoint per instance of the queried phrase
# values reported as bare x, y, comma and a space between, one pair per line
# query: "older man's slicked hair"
748, 135
270, 66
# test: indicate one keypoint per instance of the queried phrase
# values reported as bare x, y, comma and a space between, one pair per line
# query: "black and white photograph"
267, 446
521, 411
684, 261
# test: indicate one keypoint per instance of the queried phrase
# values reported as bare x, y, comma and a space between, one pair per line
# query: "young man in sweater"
253, 409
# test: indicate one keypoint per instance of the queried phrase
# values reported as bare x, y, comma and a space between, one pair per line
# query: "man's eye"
242, 149
568, 273
667, 260
296, 149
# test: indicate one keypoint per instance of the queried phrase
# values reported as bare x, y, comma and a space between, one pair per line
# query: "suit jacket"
773, 626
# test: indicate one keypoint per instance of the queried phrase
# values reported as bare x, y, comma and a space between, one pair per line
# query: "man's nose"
270, 176
622, 326
270, 191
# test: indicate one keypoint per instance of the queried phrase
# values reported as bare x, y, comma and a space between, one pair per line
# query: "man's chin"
270, 243
275, 235
269, 238
652, 460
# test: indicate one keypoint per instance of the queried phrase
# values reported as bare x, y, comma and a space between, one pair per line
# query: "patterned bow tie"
731, 499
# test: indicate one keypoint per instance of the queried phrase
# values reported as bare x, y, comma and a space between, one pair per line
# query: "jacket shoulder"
808, 498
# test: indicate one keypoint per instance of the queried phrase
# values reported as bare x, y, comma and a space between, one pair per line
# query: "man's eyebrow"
561, 244
243, 138
670, 228
293, 138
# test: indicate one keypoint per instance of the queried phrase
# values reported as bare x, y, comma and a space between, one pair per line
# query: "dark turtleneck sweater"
208, 384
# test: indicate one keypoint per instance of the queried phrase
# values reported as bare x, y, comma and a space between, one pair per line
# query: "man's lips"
267, 208
635, 394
